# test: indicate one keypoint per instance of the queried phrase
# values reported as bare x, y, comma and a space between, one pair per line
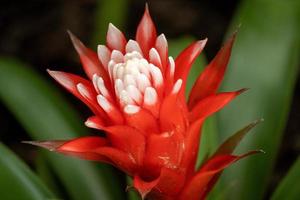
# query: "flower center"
136, 81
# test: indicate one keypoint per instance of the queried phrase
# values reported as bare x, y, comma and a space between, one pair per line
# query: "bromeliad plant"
136, 93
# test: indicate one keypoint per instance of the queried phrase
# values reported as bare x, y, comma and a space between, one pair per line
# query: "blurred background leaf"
46, 115
289, 187
265, 58
17, 180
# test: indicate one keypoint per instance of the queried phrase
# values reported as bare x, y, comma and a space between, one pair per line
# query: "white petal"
111, 65
104, 103
132, 55
95, 80
117, 56
154, 57
120, 72
119, 86
156, 76
133, 46
103, 55
101, 87
143, 67
131, 109
142, 82
115, 69
129, 80
134, 93
171, 66
125, 99
177, 86
115, 38
150, 96
131, 68
83, 90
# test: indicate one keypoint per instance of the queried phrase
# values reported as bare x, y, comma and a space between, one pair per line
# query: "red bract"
136, 94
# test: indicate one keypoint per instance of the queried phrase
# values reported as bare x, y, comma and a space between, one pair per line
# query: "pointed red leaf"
192, 142
91, 148
196, 187
89, 60
212, 104
70, 82
227, 148
231, 143
80, 147
146, 33
210, 79
185, 60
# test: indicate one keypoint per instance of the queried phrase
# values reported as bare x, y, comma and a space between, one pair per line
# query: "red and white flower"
136, 93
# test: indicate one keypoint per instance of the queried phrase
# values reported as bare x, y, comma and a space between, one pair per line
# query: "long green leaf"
46, 115
265, 59
17, 180
288, 188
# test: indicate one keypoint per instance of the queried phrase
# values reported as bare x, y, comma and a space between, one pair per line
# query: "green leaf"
288, 188
264, 59
46, 115
17, 180
44, 171
132, 194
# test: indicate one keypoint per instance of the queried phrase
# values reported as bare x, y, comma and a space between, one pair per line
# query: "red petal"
143, 121
165, 187
89, 60
128, 140
118, 158
163, 150
212, 104
70, 82
143, 187
146, 33
210, 79
125, 138
195, 189
186, 58
192, 141
115, 38
173, 105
